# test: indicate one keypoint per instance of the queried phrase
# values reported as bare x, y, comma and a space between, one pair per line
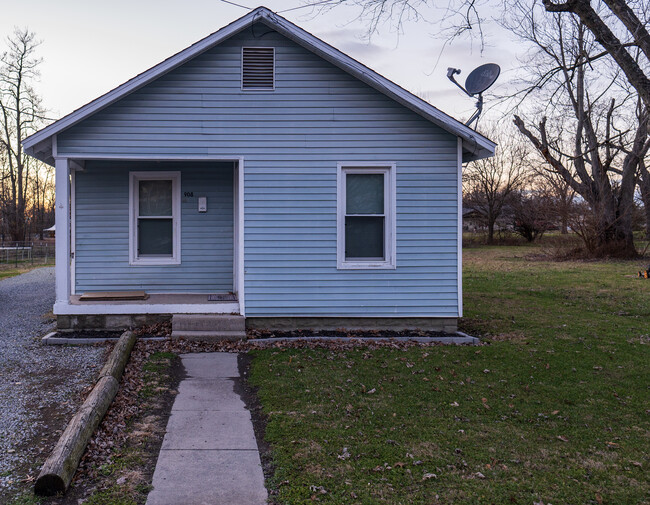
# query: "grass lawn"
556, 409
10, 269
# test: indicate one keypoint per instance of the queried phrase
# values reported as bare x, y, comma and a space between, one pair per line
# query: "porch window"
366, 216
155, 218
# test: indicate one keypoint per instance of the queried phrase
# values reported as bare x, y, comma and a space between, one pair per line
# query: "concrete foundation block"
111, 322
443, 324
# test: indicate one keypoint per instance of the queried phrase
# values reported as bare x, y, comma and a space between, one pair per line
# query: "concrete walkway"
209, 455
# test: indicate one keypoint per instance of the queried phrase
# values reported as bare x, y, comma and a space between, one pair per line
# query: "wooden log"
60, 467
118, 359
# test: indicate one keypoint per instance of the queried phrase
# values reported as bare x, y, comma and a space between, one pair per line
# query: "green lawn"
556, 409
10, 269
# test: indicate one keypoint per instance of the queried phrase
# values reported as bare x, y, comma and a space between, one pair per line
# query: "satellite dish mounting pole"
479, 109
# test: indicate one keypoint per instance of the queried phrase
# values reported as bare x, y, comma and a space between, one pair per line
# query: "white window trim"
390, 203
241, 76
134, 178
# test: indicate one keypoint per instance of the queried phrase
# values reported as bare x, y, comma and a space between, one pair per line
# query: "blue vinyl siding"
102, 230
291, 140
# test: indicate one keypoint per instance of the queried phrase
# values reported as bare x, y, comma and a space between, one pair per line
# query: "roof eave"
475, 146
140, 80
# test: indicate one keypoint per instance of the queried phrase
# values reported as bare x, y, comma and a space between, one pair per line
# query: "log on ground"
118, 359
60, 467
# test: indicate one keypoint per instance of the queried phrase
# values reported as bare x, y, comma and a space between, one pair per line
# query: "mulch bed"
343, 333
164, 329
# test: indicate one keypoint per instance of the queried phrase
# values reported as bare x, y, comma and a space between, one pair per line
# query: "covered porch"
186, 254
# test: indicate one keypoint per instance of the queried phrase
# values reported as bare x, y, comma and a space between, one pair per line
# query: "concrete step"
208, 327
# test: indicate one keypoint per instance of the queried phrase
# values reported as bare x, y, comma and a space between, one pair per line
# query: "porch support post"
62, 221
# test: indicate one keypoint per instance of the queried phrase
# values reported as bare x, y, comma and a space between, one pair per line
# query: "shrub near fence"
26, 253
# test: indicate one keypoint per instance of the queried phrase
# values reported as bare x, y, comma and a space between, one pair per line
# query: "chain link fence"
26, 253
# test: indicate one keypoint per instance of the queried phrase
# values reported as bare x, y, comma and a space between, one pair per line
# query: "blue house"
260, 174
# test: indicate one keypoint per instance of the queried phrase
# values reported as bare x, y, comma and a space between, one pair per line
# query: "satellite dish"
481, 78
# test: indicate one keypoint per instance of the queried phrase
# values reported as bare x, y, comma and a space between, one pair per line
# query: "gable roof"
475, 145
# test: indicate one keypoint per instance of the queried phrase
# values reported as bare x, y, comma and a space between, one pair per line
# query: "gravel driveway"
40, 386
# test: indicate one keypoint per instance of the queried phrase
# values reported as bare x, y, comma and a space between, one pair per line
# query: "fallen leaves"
112, 433
345, 455
562, 438
318, 489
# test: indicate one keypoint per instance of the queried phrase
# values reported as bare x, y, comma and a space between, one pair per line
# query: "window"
155, 218
258, 68
366, 216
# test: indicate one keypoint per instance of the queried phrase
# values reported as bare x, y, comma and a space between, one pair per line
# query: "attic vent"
258, 65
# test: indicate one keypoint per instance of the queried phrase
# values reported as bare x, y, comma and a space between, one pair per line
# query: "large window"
155, 218
366, 216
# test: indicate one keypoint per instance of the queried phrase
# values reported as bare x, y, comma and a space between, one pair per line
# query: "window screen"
365, 217
155, 218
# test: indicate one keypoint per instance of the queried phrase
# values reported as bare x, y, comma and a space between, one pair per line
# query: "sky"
89, 47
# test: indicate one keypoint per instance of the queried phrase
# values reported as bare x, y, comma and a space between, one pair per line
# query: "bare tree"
620, 27
559, 192
630, 14
533, 213
454, 17
20, 113
40, 209
644, 190
594, 141
490, 182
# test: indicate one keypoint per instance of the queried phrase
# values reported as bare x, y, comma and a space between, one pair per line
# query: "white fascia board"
475, 145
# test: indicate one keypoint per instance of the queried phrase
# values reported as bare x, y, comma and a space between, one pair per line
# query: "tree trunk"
490, 223
644, 186
614, 234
